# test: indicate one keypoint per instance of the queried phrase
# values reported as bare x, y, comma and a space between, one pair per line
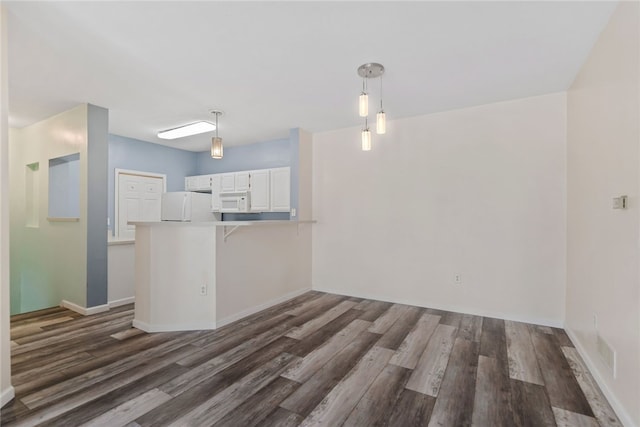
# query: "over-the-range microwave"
235, 201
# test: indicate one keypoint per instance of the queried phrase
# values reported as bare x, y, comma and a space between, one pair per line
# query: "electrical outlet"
595, 322
293, 212
203, 290
457, 279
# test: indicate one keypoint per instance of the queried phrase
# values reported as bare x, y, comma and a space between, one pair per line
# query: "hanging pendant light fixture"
216, 141
370, 70
363, 104
381, 120
366, 137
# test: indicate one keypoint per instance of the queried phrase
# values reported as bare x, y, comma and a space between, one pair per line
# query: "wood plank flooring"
317, 360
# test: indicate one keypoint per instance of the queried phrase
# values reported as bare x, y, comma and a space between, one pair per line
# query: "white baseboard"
83, 310
143, 326
260, 307
622, 414
122, 301
466, 310
7, 395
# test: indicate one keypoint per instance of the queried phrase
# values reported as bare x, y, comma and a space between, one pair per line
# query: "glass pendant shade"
216, 148
363, 107
381, 123
366, 140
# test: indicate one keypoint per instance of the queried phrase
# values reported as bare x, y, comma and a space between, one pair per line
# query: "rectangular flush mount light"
187, 130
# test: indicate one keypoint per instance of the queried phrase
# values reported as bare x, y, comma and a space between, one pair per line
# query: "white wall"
41, 274
259, 266
603, 244
6, 390
478, 191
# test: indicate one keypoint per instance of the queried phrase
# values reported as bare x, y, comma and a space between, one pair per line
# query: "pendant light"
381, 120
371, 70
363, 104
366, 137
216, 141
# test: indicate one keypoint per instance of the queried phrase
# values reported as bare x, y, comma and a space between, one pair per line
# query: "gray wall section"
97, 159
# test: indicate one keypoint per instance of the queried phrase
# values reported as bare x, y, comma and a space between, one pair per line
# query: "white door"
259, 183
139, 199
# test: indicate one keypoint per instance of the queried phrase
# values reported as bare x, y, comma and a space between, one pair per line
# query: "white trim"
623, 415
83, 310
122, 301
143, 326
260, 307
466, 310
7, 395
116, 188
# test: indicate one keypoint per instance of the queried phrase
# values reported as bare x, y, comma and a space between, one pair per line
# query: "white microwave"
235, 201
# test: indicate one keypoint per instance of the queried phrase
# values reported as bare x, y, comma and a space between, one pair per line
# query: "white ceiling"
272, 66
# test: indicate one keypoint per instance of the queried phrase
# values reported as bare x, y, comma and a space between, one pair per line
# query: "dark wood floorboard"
317, 359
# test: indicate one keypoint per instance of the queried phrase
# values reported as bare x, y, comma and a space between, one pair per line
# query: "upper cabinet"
270, 188
198, 183
259, 181
280, 190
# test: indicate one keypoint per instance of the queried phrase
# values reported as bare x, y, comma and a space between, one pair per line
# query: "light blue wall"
64, 187
133, 154
261, 155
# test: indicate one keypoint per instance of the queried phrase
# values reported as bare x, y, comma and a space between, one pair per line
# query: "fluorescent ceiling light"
187, 130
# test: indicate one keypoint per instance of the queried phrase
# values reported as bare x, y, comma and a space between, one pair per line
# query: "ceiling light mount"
371, 70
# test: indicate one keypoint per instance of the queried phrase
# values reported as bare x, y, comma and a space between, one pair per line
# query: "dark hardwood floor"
319, 359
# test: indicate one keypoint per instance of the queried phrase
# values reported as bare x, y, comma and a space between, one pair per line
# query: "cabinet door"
242, 181
259, 184
190, 183
216, 187
280, 190
228, 182
204, 182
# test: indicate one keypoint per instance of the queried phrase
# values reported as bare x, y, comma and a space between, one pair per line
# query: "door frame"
119, 172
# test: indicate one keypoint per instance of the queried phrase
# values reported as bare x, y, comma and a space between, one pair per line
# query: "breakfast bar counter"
191, 276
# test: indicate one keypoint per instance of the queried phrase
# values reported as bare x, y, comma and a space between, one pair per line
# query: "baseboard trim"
143, 326
7, 395
248, 312
536, 321
122, 301
623, 415
82, 310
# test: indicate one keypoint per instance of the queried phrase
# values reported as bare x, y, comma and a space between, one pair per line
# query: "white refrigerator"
186, 206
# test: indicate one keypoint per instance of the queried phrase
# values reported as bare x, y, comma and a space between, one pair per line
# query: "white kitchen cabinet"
228, 182
280, 189
204, 183
259, 184
198, 183
242, 181
190, 183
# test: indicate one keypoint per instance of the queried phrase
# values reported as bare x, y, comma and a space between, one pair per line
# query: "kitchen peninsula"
204, 275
